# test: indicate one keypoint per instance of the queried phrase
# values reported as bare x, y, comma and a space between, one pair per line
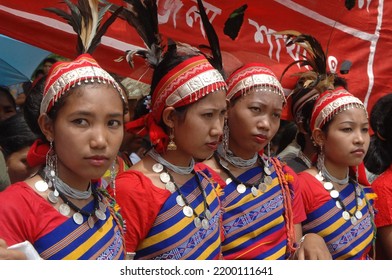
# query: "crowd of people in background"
198, 165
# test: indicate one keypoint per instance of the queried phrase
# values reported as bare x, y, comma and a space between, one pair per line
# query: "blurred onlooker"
15, 141
7, 109
133, 146
47, 64
7, 104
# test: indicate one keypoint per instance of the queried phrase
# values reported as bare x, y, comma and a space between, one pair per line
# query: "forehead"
262, 96
353, 115
217, 98
103, 95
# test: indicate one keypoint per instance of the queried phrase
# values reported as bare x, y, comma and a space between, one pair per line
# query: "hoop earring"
51, 163
172, 145
225, 138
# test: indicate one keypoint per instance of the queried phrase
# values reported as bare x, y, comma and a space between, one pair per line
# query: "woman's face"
88, 132
253, 121
17, 167
199, 133
347, 139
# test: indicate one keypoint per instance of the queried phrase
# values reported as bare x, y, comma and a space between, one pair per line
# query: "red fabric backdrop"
360, 35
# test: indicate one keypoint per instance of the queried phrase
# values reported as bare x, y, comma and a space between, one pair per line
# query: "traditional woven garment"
344, 240
255, 227
54, 235
158, 228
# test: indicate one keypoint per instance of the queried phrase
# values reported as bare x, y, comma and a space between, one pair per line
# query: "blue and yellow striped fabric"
175, 236
70, 241
254, 227
344, 240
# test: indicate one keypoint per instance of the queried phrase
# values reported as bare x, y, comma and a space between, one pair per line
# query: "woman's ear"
169, 116
318, 137
47, 126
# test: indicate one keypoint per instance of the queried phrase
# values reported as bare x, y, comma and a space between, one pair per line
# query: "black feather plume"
318, 76
85, 18
234, 23
143, 16
216, 59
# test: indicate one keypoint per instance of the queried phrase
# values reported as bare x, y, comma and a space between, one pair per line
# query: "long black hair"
379, 155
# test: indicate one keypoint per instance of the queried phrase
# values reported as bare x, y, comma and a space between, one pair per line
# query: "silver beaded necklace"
182, 170
238, 162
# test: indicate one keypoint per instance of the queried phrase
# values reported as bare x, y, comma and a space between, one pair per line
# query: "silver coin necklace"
259, 186
347, 215
65, 207
200, 220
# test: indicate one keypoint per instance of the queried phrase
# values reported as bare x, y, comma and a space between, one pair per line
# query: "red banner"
360, 35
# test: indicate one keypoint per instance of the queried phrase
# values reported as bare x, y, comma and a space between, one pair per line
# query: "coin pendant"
170, 187
90, 222
338, 204
267, 170
358, 190
180, 200
52, 198
359, 201
354, 221
328, 186
358, 215
100, 215
334, 194
241, 188
208, 214
268, 180
165, 177
78, 218
102, 206
41, 186
228, 181
188, 211
197, 222
64, 209
254, 191
262, 187
157, 168
205, 224
319, 177
346, 215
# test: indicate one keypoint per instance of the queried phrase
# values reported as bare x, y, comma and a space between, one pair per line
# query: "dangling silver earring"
113, 177
225, 138
51, 164
320, 159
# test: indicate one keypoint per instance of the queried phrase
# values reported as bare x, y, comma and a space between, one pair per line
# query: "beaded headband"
66, 75
253, 76
186, 83
332, 102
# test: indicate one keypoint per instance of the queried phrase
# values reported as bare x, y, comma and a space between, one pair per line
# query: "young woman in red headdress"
171, 211
62, 211
262, 206
338, 207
